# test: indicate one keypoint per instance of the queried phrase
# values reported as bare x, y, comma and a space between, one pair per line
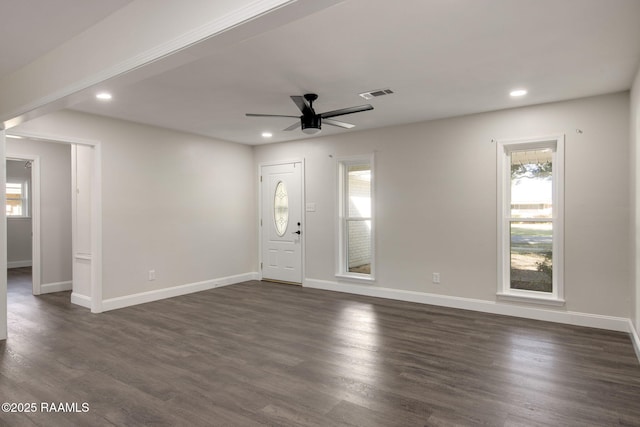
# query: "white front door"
281, 219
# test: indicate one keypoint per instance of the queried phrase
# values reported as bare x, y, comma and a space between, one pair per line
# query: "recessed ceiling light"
104, 96
267, 134
518, 92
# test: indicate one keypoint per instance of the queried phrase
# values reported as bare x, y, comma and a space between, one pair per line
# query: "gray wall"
185, 205
436, 200
55, 205
180, 204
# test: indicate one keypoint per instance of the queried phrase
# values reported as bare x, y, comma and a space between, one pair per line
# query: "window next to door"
356, 218
530, 219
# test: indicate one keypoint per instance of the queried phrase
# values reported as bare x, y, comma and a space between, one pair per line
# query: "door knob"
297, 232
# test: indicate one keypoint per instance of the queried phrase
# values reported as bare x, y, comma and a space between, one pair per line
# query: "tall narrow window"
356, 247
530, 218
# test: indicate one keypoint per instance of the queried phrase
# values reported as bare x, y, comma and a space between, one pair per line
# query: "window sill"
18, 217
358, 278
534, 299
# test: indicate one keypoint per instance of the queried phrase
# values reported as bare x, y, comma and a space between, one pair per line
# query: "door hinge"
260, 222
260, 178
260, 266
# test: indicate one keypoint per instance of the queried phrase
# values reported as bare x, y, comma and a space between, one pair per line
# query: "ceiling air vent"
375, 93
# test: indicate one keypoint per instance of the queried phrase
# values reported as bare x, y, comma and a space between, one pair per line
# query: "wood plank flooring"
280, 355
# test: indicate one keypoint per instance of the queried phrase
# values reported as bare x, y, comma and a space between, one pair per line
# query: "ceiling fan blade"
270, 115
337, 123
293, 126
302, 104
344, 111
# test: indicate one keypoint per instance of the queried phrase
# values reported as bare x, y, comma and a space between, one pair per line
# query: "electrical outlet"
152, 275
436, 278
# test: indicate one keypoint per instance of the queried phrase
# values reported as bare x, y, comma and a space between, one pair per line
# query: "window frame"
504, 149
342, 268
25, 198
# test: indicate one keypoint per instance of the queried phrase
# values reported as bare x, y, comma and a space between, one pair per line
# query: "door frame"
34, 201
96, 207
303, 228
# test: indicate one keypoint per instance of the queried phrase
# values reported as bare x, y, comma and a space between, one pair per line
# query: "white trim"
635, 339
303, 216
59, 139
96, 230
530, 296
18, 264
35, 263
47, 288
356, 278
557, 316
174, 291
81, 300
280, 162
503, 185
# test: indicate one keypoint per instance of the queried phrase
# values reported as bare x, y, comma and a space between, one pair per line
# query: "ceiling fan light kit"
311, 125
310, 121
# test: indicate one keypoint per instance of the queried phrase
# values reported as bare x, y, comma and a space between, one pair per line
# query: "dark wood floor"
269, 354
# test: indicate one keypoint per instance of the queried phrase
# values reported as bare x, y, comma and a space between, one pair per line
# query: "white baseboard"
18, 264
174, 291
635, 339
48, 288
558, 316
81, 300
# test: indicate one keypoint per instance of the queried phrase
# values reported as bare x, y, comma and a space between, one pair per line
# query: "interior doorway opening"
23, 221
39, 214
84, 230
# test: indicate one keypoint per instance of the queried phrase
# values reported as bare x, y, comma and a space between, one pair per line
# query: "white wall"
19, 228
55, 205
84, 255
436, 200
177, 203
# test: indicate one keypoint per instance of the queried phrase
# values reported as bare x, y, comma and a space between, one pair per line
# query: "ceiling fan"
310, 121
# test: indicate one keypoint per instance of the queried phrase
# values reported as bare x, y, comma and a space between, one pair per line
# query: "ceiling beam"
122, 44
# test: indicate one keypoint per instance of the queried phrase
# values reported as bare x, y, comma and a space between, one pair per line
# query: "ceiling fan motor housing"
312, 123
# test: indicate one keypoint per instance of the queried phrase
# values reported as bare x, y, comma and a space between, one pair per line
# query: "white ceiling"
443, 58
31, 28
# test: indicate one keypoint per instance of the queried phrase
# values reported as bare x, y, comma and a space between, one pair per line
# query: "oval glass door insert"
281, 208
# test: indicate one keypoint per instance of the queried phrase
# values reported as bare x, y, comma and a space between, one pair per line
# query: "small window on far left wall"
17, 199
